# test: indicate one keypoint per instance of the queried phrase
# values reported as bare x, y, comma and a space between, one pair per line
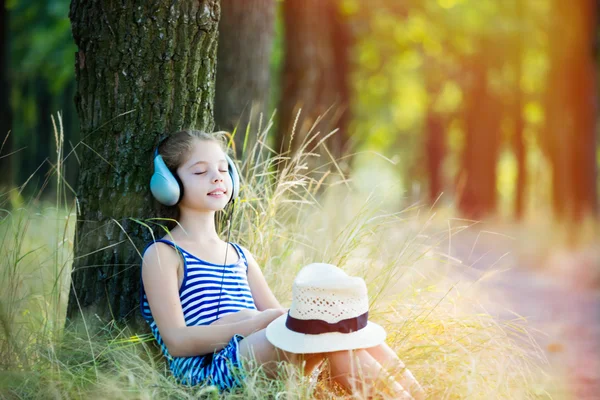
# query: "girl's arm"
261, 292
159, 276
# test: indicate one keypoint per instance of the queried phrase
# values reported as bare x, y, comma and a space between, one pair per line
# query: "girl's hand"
260, 319
237, 316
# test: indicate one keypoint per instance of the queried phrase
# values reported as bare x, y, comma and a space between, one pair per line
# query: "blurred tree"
41, 59
571, 99
518, 28
246, 33
438, 79
517, 111
435, 150
71, 128
483, 114
143, 68
5, 111
314, 77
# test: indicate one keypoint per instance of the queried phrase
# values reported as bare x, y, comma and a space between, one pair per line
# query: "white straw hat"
329, 312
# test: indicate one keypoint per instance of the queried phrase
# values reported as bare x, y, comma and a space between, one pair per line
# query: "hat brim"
280, 336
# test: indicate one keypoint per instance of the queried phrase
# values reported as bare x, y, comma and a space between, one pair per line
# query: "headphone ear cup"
165, 187
235, 179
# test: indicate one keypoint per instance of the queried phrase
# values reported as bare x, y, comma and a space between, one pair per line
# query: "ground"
556, 290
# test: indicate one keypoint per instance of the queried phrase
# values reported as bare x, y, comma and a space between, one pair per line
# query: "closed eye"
201, 173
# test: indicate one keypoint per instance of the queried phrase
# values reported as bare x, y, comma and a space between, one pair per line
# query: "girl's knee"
293, 358
283, 355
306, 362
339, 354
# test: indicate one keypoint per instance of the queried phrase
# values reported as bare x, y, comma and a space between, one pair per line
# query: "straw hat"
329, 312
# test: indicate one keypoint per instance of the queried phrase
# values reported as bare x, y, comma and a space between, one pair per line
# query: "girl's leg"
256, 347
358, 371
392, 363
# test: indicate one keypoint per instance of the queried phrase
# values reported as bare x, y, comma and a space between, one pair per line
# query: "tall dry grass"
288, 217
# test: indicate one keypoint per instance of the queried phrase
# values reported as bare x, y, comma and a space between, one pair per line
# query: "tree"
246, 32
518, 137
142, 68
477, 195
570, 136
40, 71
434, 144
5, 112
315, 74
435, 151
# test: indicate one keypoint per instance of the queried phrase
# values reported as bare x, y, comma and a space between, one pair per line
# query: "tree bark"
5, 111
520, 155
570, 135
477, 198
143, 68
246, 33
315, 77
436, 150
72, 136
519, 140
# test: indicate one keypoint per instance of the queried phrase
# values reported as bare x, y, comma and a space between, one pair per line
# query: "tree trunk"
315, 74
5, 111
571, 110
43, 147
35, 154
477, 198
518, 139
436, 150
246, 33
142, 68
520, 155
72, 136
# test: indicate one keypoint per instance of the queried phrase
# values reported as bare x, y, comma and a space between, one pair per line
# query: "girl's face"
206, 182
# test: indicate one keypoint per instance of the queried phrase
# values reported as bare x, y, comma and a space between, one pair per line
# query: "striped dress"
199, 295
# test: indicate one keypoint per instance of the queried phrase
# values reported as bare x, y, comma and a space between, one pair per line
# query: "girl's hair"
176, 148
174, 151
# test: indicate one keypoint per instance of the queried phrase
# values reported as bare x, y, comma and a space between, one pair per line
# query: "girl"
209, 316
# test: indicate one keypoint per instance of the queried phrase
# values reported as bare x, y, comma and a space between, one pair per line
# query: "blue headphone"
166, 187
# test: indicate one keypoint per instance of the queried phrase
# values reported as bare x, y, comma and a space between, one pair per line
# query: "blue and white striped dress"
199, 295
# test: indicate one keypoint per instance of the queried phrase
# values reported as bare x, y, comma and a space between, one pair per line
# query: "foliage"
41, 74
41, 44
413, 59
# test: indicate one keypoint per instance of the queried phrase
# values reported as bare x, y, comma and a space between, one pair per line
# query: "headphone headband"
161, 140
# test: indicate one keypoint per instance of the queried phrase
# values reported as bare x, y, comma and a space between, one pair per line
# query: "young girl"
207, 301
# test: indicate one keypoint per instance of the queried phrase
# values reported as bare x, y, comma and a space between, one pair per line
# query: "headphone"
167, 189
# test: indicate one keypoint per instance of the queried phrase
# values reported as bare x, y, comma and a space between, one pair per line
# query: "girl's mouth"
217, 193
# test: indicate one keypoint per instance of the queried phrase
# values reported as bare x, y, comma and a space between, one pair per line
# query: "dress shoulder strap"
241, 253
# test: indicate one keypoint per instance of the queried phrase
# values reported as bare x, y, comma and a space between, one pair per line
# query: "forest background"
475, 114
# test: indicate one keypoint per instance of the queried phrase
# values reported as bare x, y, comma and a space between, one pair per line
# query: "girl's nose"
218, 178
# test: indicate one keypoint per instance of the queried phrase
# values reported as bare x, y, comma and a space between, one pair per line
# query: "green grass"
453, 347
